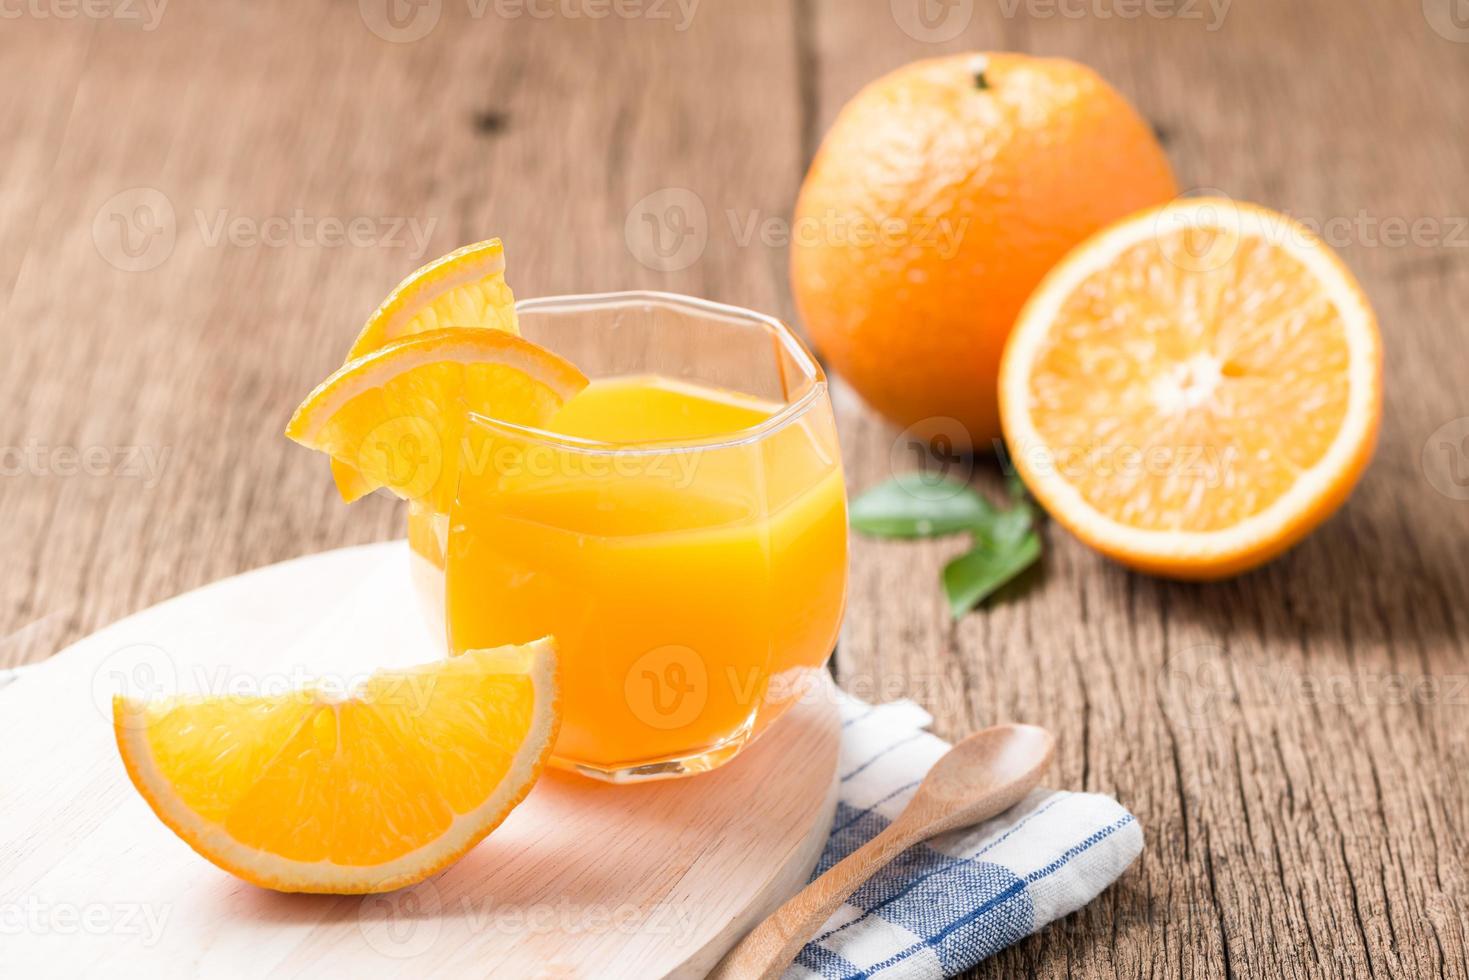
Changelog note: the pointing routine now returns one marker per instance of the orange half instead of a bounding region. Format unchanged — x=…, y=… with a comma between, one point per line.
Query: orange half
x=1194, y=389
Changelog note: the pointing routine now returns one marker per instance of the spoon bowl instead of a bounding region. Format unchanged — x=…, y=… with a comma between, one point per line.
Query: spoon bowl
x=984, y=774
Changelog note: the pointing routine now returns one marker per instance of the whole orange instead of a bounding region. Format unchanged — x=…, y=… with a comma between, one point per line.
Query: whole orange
x=941, y=196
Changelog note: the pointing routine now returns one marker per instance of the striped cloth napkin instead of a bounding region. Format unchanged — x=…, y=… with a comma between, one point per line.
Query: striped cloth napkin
x=945, y=905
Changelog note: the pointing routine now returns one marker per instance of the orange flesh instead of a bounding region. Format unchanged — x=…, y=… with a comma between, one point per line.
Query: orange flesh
x=356, y=782
x=396, y=416
x=1178, y=400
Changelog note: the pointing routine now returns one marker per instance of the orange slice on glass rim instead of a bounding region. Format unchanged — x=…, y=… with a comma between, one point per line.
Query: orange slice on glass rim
x=465, y=288
x=398, y=414
x=1195, y=388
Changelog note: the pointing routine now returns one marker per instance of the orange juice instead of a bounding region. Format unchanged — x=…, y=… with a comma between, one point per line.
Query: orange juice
x=687, y=547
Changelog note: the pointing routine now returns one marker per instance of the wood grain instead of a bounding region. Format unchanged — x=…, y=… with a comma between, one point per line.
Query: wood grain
x=1293, y=742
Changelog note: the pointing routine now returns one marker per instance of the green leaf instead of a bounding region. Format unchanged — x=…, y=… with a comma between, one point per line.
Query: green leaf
x=918, y=505
x=974, y=576
x=1016, y=486
x=1007, y=528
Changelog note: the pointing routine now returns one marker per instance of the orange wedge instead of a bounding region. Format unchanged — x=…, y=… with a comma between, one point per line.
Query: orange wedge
x=1194, y=389
x=397, y=415
x=363, y=792
x=465, y=288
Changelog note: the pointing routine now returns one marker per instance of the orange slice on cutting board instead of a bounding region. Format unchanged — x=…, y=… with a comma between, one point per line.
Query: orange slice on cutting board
x=1194, y=389
x=397, y=415
x=465, y=288
x=349, y=792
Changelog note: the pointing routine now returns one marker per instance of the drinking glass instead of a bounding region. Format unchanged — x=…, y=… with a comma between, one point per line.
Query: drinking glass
x=694, y=587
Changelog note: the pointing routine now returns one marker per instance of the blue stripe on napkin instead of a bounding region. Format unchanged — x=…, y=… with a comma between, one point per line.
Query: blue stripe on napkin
x=945, y=905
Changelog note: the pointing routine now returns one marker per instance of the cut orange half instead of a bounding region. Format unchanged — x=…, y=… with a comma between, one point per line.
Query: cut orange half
x=465, y=288
x=363, y=791
x=1194, y=389
x=398, y=415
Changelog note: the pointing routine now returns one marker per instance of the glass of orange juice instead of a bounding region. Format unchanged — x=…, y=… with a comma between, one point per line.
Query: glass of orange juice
x=680, y=528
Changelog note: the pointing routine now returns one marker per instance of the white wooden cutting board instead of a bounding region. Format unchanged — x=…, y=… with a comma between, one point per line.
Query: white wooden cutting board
x=583, y=880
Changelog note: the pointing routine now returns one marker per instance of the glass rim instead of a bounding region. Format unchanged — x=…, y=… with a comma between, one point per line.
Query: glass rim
x=790, y=412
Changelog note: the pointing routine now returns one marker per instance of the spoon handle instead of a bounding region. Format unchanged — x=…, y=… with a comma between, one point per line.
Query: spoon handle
x=983, y=775
x=773, y=944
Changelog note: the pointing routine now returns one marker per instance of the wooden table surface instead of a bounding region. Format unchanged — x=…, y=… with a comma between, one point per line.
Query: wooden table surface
x=202, y=201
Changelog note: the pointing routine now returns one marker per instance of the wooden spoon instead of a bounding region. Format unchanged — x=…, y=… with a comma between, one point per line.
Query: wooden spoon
x=984, y=775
